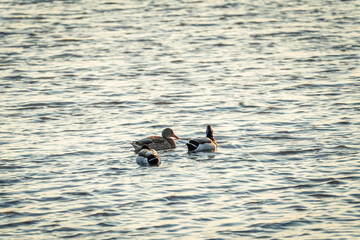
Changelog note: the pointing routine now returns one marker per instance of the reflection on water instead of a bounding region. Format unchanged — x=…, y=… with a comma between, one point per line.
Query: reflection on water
x=277, y=81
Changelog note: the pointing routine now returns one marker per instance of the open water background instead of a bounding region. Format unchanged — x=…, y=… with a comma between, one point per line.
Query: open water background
x=278, y=80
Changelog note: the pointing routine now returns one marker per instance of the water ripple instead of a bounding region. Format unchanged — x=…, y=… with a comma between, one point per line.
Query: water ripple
x=278, y=82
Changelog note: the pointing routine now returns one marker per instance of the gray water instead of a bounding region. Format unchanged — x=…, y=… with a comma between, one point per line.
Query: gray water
x=279, y=82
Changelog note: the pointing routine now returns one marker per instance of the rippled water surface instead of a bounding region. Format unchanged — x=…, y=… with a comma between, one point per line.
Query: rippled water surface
x=279, y=82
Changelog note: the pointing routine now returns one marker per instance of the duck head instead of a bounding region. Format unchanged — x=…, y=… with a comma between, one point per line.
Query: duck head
x=209, y=132
x=168, y=133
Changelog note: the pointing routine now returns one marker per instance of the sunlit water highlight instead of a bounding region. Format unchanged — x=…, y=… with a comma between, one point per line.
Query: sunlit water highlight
x=278, y=81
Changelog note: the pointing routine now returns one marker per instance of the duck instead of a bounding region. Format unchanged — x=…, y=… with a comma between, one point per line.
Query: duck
x=207, y=143
x=166, y=141
x=148, y=157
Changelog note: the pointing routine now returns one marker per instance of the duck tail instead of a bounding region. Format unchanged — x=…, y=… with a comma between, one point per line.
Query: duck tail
x=153, y=160
x=136, y=146
x=192, y=145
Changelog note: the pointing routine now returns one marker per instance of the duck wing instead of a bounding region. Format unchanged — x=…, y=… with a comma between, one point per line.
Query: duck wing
x=203, y=140
x=145, y=141
x=154, y=142
x=201, y=144
x=151, y=139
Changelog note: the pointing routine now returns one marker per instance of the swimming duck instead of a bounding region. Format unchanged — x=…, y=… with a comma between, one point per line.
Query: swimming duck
x=207, y=143
x=148, y=157
x=157, y=142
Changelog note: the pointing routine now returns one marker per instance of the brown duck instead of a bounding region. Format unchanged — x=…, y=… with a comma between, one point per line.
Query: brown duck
x=157, y=142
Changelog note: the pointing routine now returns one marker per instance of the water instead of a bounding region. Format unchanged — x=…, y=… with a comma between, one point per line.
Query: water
x=278, y=81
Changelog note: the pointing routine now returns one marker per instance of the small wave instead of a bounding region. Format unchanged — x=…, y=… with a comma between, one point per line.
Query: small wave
x=166, y=225
x=284, y=34
x=344, y=123
x=103, y=214
x=299, y=86
x=239, y=232
x=17, y=224
x=334, y=182
x=323, y=195
x=357, y=195
x=64, y=229
x=291, y=152
x=281, y=225
x=297, y=207
x=79, y=193
x=71, y=154
x=46, y=118
x=110, y=103
x=11, y=166
x=223, y=45
x=342, y=147
x=66, y=55
x=300, y=186
x=242, y=104
x=163, y=103
x=68, y=40
x=10, y=203
x=40, y=105
x=321, y=180
x=52, y=199
x=11, y=214
x=277, y=137
x=8, y=181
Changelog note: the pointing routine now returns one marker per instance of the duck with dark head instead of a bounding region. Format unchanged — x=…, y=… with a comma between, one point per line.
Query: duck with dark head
x=207, y=143
x=148, y=157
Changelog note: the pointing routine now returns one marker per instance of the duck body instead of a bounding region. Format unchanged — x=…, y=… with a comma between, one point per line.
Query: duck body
x=201, y=144
x=148, y=157
x=207, y=143
x=166, y=141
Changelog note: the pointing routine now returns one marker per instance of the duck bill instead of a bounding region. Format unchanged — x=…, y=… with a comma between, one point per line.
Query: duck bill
x=174, y=136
